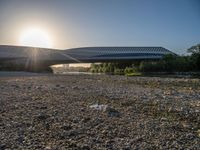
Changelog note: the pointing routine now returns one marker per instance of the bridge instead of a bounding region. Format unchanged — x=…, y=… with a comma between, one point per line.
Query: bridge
x=36, y=59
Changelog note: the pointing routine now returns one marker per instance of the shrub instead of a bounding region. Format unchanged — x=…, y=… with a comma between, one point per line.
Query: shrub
x=118, y=71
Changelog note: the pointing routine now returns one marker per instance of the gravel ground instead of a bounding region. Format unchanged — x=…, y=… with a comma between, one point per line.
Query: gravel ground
x=53, y=112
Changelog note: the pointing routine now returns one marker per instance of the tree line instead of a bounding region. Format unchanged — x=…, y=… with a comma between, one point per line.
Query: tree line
x=169, y=64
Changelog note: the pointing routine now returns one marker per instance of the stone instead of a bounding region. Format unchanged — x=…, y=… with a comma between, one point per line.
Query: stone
x=42, y=116
x=99, y=107
x=66, y=127
x=2, y=147
x=163, y=119
x=112, y=112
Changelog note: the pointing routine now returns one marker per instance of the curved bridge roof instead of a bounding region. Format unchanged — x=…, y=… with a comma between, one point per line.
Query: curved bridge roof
x=82, y=54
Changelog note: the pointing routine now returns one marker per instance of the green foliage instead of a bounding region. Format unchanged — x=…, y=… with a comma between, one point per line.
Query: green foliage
x=195, y=56
x=169, y=64
x=104, y=68
x=151, y=66
x=194, y=49
x=130, y=70
x=195, y=61
x=118, y=71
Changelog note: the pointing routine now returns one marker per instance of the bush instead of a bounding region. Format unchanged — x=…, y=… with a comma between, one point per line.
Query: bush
x=170, y=63
x=118, y=71
x=134, y=74
x=130, y=70
x=195, y=61
x=152, y=66
x=133, y=71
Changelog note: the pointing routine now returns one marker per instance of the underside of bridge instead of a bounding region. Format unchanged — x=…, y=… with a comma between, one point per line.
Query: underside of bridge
x=40, y=59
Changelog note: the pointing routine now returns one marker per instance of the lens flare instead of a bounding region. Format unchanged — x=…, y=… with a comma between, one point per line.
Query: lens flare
x=35, y=37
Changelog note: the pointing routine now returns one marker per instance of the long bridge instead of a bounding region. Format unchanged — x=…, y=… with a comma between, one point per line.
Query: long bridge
x=34, y=58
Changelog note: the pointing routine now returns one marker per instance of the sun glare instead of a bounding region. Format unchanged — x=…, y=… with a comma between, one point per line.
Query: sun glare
x=35, y=37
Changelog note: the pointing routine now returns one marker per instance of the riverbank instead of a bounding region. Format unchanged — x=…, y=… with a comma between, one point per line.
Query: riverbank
x=54, y=112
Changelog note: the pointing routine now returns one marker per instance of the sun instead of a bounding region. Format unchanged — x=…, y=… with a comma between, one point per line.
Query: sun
x=35, y=37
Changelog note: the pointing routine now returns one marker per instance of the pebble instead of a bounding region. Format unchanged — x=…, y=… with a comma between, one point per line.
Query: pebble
x=55, y=112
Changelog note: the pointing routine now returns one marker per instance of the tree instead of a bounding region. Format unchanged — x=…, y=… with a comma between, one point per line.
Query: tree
x=195, y=57
x=194, y=49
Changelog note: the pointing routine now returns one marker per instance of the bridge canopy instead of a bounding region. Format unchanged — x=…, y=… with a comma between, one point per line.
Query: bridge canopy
x=46, y=57
x=83, y=53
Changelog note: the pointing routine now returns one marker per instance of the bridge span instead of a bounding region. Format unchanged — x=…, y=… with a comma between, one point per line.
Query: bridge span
x=34, y=58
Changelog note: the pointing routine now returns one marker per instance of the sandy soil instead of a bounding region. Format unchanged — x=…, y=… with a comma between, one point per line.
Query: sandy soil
x=53, y=112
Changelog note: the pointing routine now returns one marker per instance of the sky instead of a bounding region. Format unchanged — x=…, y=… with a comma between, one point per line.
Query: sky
x=173, y=24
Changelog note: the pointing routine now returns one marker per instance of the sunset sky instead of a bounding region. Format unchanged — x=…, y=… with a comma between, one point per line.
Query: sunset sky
x=173, y=24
